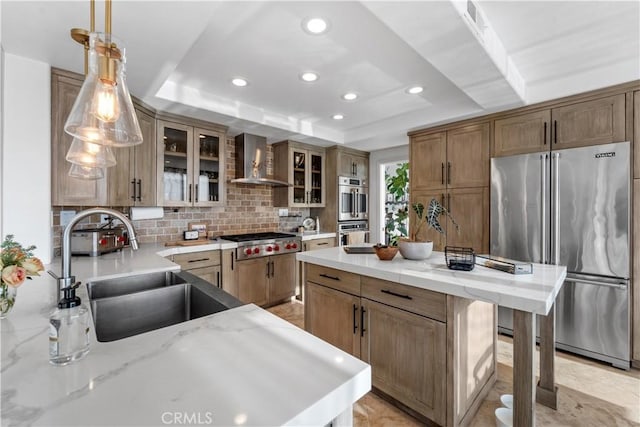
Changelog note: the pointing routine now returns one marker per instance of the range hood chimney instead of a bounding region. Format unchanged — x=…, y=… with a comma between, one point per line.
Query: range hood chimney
x=251, y=161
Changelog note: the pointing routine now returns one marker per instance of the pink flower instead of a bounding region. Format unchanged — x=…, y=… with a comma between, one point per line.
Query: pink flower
x=33, y=266
x=13, y=275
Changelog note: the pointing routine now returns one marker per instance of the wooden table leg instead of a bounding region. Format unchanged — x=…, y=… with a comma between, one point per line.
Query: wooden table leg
x=524, y=336
x=547, y=392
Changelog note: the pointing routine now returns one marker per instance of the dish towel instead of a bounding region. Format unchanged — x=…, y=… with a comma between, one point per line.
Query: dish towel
x=356, y=237
x=203, y=188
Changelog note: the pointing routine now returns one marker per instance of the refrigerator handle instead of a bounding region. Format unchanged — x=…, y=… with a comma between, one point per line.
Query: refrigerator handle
x=555, y=159
x=544, y=258
x=621, y=285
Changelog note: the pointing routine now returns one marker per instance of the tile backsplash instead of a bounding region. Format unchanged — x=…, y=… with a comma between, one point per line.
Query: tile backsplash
x=248, y=208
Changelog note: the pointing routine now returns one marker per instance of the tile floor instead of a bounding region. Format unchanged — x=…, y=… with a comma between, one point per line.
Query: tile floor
x=589, y=393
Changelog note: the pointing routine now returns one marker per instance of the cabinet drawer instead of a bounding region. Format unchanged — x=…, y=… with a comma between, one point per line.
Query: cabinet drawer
x=197, y=259
x=328, y=242
x=420, y=301
x=332, y=278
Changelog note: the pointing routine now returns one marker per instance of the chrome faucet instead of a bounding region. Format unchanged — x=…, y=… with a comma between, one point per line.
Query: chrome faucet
x=67, y=279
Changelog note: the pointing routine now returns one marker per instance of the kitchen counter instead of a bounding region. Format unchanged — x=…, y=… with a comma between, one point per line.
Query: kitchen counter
x=243, y=366
x=527, y=295
x=312, y=235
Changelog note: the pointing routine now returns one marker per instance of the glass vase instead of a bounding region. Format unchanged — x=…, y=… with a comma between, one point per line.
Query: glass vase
x=7, y=299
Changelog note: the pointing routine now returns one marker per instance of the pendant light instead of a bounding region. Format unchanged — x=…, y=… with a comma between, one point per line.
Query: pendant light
x=84, y=172
x=90, y=155
x=103, y=112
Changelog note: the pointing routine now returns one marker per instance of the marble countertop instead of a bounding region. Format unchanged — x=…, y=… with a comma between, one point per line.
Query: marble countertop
x=534, y=293
x=243, y=366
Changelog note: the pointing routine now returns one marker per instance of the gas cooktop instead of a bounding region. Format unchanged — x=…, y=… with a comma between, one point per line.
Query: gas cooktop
x=249, y=237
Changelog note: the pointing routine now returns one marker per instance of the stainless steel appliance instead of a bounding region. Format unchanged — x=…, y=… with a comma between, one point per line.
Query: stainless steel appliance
x=97, y=241
x=251, y=161
x=571, y=207
x=353, y=198
x=255, y=245
x=346, y=230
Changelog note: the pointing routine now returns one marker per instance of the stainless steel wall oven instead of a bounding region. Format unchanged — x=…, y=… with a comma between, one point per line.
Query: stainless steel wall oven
x=353, y=199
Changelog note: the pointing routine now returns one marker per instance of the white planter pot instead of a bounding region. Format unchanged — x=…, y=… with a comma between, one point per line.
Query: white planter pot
x=415, y=250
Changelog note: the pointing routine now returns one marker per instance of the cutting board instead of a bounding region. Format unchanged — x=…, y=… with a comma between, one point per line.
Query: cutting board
x=189, y=242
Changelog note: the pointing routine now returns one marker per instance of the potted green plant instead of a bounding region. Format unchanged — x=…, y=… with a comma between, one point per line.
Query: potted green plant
x=412, y=248
x=397, y=214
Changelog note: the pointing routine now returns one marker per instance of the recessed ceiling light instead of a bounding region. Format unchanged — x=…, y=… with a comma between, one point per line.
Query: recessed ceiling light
x=239, y=81
x=349, y=96
x=315, y=25
x=337, y=117
x=309, y=76
x=415, y=90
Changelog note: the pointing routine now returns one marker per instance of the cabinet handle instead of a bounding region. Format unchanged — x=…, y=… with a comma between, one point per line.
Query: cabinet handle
x=386, y=291
x=355, y=325
x=133, y=183
x=322, y=244
x=218, y=279
x=190, y=188
x=231, y=253
x=442, y=173
x=449, y=202
x=545, y=134
x=273, y=269
x=198, y=260
x=330, y=277
x=442, y=199
x=555, y=132
x=362, y=328
x=140, y=190
x=196, y=194
x=448, y=172
x=268, y=269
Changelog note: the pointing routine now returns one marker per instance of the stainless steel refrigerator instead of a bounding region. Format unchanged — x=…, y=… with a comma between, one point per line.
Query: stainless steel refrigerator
x=572, y=207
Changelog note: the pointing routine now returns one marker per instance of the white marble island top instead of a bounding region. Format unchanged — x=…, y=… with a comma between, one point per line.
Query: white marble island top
x=533, y=293
x=243, y=366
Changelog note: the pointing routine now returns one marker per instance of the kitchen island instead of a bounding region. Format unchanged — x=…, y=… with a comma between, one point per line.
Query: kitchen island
x=243, y=366
x=403, y=284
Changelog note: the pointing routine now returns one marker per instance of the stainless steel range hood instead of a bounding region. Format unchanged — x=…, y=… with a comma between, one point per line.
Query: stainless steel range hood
x=251, y=161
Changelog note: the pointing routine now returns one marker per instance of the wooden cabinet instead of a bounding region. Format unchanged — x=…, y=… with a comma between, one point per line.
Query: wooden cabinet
x=190, y=164
x=204, y=264
x=431, y=352
x=598, y=121
x=303, y=167
x=352, y=163
x=636, y=273
x=415, y=371
x=229, y=272
x=66, y=190
x=311, y=245
x=132, y=182
x=453, y=167
x=267, y=280
x=636, y=134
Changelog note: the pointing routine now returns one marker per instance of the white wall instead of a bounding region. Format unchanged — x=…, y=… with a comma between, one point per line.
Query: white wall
x=377, y=189
x=26, y=153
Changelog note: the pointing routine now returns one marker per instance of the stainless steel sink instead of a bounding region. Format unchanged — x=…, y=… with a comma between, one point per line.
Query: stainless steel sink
x=152, y=302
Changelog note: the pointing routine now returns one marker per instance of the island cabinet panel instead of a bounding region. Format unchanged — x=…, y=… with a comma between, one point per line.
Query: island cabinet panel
x=333, y=316
x=407, y=354
x=333, y=278
x=524, y=133
x=229, y=272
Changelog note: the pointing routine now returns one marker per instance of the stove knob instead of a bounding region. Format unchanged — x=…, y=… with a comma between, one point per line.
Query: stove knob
x=103, y=242
x=256, y=250
x=294, y=245
x=248, y=251
x=276, y=248
x=269, y=248
x=121, y=239
x=287, y=246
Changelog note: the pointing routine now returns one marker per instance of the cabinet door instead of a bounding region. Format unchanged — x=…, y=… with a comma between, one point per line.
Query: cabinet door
x=316, y=179
x=361, y=166
x=600, y=121
x=175, y=163
x=427, y=161
x=636, y=135
x=333, y=316
x=210, y=274
x=144, y=167
x=122, y=184
x=208, y=174
x=468, y=161
x=470, y=208
x=346, y=164
x=426, y=233
x=252, y=280
x=229, y=272
x=526, y=133
x=282, y=283
x=66, y=190
x=299, y=193
x=407, y=354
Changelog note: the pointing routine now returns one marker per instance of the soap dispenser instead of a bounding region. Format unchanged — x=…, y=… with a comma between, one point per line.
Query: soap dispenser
x=68, y=329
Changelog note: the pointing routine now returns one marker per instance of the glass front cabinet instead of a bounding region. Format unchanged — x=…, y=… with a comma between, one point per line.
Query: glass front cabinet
x=304, y=169
x=190, y=165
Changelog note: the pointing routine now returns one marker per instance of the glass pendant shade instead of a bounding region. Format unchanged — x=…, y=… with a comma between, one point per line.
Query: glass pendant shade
x=84, y=172
x=90, y=155
x=103, y=112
